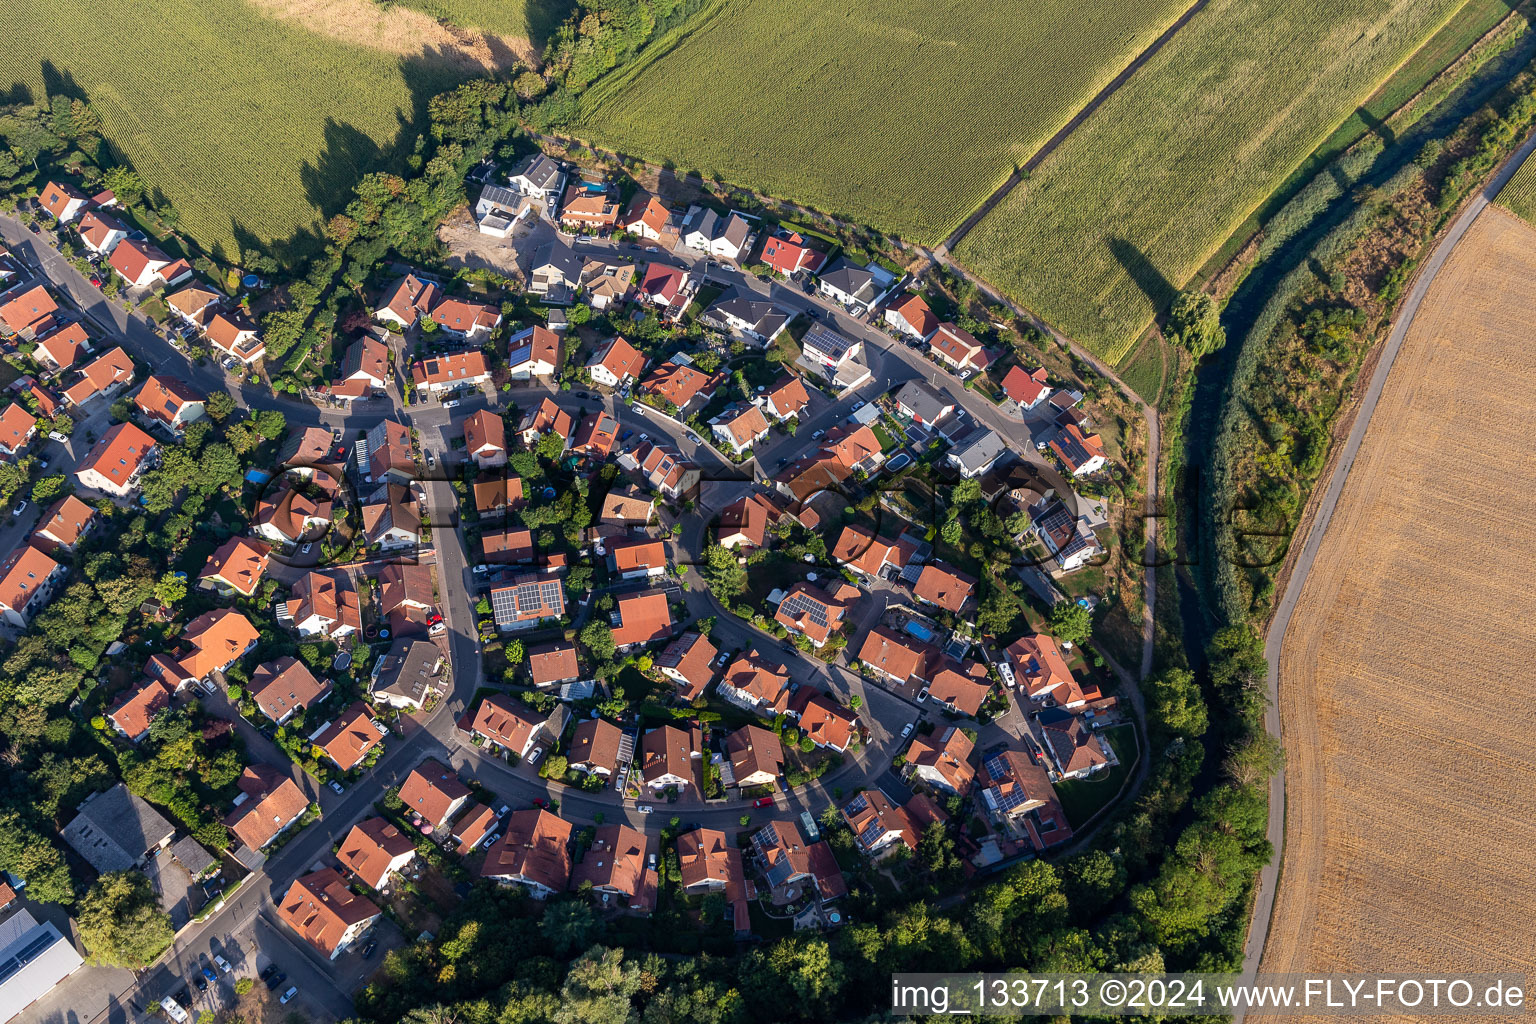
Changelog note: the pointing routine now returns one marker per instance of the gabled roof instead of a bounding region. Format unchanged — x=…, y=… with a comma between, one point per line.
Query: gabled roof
x=217, y=638
x=233, y=332
x=668, y=750
x=132, y=258
x=397, y=511
x=66, y=520
x=545, y=418
x=56, y=197
x=916, y=313
x=851, y=280
x=923, y=401
x=370, y=847
x=615, y=861
x=96, y=227
x=473, y=825
x=851, y=445
x=1026, y=387
x=285, y=685
x=500, y=719
x=409, y=297
x=662, y=282
x=627, y=505
x=163, y=398
x=962, y=685
x=1039, y=668
x=859, y=547
x=648, y=210
x=692, y=657
x=115, y=828
x=485, y=431
x=137, y=707
x=350, y=736
x=535, y=848
x=639, y=553
x=643, y=617
x=26, y=305
x=464, y=316
x=748, y=516
x=743, y=423
x=813, y=611
x=873, y=819
x=885, y=649
x=679, y=384
x=118, y=454
x=752, y=750
x=239, y=562
x=553, y=663
x=787, y=252
x=449, y=368
x=22, y=574
x=109, y=368
x=595, y=742
x=596, y=435
x=272, y=801
x=540, y=170
x=958, y=344
x=1074, y=746
x=829, y=724
x=534, y=345
x=290, y=512
x=431, y=790
x=320, y=907
x=942, y=584
x=506, y=546
x=193, y=301
x=620, y=358
x=498, y=493
x=16, y=426
x=757, y=677
x=329, y=595
x=788, y=395
x=1075, y=448
x=948, y=754
x=65, y=344
x=389, y=449
x=367, y=358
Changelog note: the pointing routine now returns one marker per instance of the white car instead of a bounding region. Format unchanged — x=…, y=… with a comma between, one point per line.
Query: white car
x=908, y=730
x=173, y=1010
x=452, y=403
x=922, y=695
x=55, y=435
x=644, y=808
x=1006, y=671
x=645, y=437
x=337, y=787
x=293, y=990
x=538, y=752
x=21, y=506
x=818, y=435
x=223, y=964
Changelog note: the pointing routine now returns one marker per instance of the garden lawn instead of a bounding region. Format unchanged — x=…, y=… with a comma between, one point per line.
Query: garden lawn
x=1082, y=798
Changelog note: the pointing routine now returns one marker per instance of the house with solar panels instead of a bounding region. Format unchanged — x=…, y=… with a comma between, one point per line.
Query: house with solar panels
x=524, y=600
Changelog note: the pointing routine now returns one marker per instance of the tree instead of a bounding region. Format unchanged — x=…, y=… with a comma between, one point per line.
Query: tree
x=951, y=530
x=597, y=637
x=1194, y=321
x=219, y=405
x=170, y=589
x=1071, y=623
x=725, y=576
x=1174, y=700
x=598, y=989
x=270, y=423
x=569, y=926
x=48, y=488
x=121, y=923
x=124, y=182
x=529, y=85
x=550, y=445
x=515, y=653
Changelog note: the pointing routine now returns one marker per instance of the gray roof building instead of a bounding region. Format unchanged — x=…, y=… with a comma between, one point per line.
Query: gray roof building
x=923, y=403
x=190, y=855
x=404, y=672
x=33, y=959
x=115, y=830
x=540, y=171
x=977, y=453
x=851, y=283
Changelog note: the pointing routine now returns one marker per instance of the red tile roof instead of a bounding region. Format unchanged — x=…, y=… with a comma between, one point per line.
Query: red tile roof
x=942, y=584
x=117, y=455
x=272, y=801
x=139, y=706
x=431, y=790
x=535, y=848
x=680, y=384
x=284, y=686
x=320, y=907
x=553, y=663
x=370, y=848
x=25, y=306
x=1023, y=387
x=916, y=313
x=449, y=368
x=349, y=738
x=643, y=617
x=66, y=521
x=239, y=562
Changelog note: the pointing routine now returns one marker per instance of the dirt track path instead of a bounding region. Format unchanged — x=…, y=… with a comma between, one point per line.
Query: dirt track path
x=1327, y=660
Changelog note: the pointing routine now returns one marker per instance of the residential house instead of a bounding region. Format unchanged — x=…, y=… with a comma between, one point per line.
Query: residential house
x=595, y=747
x=169, y=400
x=101, y=377
x=27, y=581
x=115, y=830
x=646, y=217
x=666, y=287
x=753, y=682
x=348, y=739
x=860, y=549
x=977, y=454
x=538, y=176
x=1040, y=670
x=194, y=305
x=283, y=688
x=115, y=462
x=641, y=618
x=236, y=566
x=17, y=428
x=958, y=349
x=506, y=726
x=725, y=236
x=288, y=516
x=589, y=206
x=364, y=371
x=740, y=426
x=268, y=805
x=217, y=640
x=1080, y=453
x=534, y=852
x=498, y=209
x=433, y=793
x=475, y=826
x=616, y=364
x=756, y=756
x=922, y=404
x=911, y=316
x=63, y=525
x=407, y=300
x=507, y=547
x=392, y=518
x=786, y=859
x=313, y=453
x=744, y=522
x=690, y=662
x=741, y=316
x=407, y=599
x=553, y=663
x=596, y=435
x=637, y=559
x=878, y=825
x=852, y=286
x=235, y=335
x=828, y=349
x=959, y=686
x=605, y=285
x=324, y=605
x=329, y=916
x=63, y=200
x=555, y=273
x=664, y=469
x=813, y=612
x=827, y=724
x=667, y=755
x=546, y=417
x=1066, y=535
x=403, y=676
x=894, y=658
x=498, y=495
x=786, y=397
x=133, y=713
x=788, y=252
x=1027, y=387
x=1016, y=794
x=26, y=308
x=1075, y=750
x=464, y=319
x=709, y=863
x=62, y=346
x=943, y=585
x=142, y=265
x=374, y=851
x=450, y=371
x=101, y=231
x=533, y=352
x=390, y=454
x=679, y=385
x=485, y=439
x=627, y=506
x=614, y=865
x=943, y=760
x=527, y=600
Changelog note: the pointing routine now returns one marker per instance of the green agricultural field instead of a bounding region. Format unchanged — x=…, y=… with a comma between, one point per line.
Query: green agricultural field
x=1128, y=208
x=250, y=126
x=900, y=115
x=1519, y=194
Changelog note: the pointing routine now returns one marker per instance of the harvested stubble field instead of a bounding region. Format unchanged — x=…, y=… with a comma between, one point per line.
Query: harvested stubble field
x=1407, y=704
x=250, y=117
x=1135, y=200
x=896, y=114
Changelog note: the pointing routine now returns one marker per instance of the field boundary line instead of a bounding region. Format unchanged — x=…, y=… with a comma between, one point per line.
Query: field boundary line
x=1259, y=924
x=1067, y=129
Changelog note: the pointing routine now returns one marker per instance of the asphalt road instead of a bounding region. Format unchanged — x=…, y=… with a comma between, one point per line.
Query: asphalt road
x=1269, y=878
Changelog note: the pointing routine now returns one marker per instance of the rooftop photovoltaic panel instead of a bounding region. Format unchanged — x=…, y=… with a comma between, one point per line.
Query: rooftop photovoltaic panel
x=798, y=606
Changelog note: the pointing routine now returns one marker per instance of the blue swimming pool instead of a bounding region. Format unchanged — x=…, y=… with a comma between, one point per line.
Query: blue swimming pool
x=920, y=631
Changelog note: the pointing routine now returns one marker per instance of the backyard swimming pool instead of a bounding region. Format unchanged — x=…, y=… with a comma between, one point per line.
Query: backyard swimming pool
x=920, y=631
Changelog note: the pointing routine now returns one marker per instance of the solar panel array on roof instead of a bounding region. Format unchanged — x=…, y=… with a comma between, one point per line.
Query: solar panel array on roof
x=798, y=606
x=26, y=954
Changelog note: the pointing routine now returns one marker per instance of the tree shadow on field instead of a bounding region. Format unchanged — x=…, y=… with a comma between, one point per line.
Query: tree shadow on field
x=18, y=95
x=1157, y=288
x=543, y=17
x=61, y=83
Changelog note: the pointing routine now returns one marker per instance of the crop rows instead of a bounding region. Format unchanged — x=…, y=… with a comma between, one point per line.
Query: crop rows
x=904, y=116
x=1519, y=193
x=1131, y=204
x=244, y=123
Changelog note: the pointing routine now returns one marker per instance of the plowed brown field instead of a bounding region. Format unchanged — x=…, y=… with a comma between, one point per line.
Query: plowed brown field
x=1408, y=674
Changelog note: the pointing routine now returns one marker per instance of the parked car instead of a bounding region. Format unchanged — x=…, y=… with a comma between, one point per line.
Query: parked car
x=818, y=435
x=907, y=731
x=209, y=973
x=922, y=695
x=539, y=801
x=56, y=436
x=644, y=808
x=273, y=977
x=95, y=281
x=173, y=1011
x=21, y=506
x=858, y=405
x=292, y=991
x=763, y=801
x=538, y=752
x=337, y=787
x=307, y=548
x=627, y=435
x=223, y=964
x=452, y=403
x=200, y=982
x=652, y=248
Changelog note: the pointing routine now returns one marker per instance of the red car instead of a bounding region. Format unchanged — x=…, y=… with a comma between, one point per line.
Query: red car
x=763, y=801
x=95, y=282
x=538, y=802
